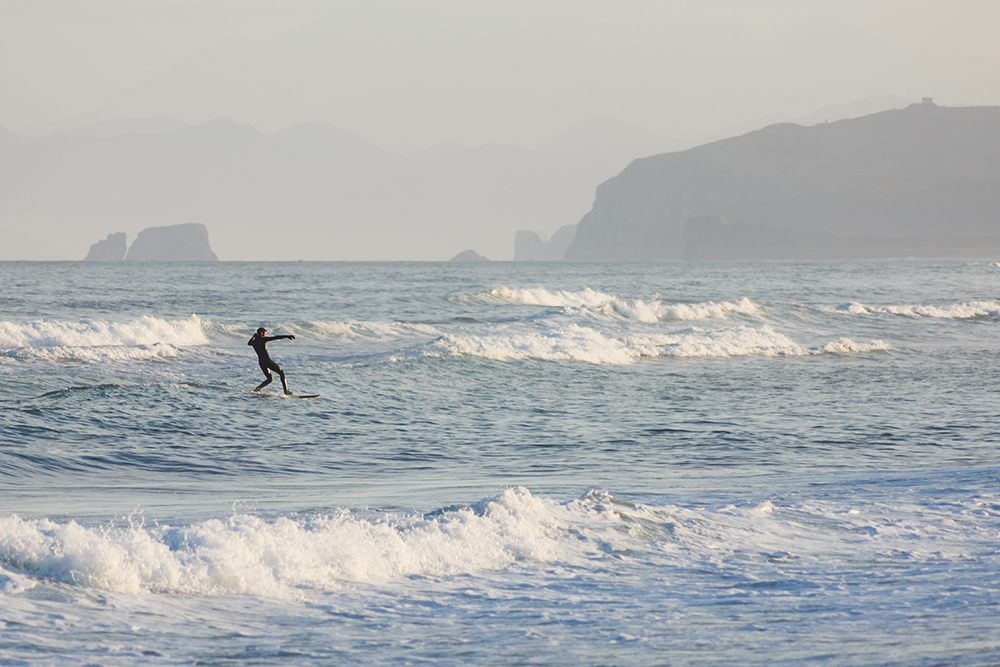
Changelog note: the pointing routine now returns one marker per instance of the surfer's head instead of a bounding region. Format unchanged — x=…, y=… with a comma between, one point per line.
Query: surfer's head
x=261, y=331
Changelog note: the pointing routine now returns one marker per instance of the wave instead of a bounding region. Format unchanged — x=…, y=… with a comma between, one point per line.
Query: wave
x=765, y=342
x=955, y=311
x=296, y=557
x=96, y=353
x=145, y=330
x=601, y=304
x=335, y=330
x=247, y=555
x=571, y=343
x=356, y=329
x=578, y=343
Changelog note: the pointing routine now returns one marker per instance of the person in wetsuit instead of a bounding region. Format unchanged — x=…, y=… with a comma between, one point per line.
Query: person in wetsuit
x=259, y=343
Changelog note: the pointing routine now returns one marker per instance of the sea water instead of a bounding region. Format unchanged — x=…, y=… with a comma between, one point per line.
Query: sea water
x=508, y=463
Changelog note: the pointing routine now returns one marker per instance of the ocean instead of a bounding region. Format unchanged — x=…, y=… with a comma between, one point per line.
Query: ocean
x=508, y=463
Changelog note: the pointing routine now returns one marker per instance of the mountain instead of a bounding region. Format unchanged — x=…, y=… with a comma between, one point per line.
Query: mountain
x=920, y=171
x=311, y=191
x=828, y=114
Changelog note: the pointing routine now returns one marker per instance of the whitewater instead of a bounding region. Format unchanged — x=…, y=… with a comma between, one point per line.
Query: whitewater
x=508, y=463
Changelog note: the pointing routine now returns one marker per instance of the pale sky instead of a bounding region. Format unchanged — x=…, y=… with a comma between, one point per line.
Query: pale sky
x=409, y=73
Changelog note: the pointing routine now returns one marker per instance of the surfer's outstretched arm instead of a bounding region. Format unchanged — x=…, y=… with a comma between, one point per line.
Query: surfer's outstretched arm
x=268, y=339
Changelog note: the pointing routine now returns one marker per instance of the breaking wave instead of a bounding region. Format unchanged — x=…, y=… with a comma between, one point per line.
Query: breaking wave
x=296, y=557
x=95, y=353
x=143, y=330
x=578, y=343
x=247, y=555
x=606, y=305
x=354, y=329
x=101, y=340
x=955, y=311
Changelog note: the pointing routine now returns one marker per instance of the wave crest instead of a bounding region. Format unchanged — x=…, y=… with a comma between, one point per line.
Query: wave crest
x=579, y=343
x=145, y=330
x=608, y=305
x=246, y=555
x=356, y=329
x=955, y=311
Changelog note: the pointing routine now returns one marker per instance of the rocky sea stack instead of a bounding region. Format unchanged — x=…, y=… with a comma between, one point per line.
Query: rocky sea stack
x=176, y=243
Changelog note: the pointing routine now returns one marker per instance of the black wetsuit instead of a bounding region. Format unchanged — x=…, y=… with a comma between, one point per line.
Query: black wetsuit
x=259, y=344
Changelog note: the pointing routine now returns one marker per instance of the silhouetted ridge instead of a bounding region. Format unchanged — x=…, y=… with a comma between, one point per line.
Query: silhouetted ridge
x=922, y=171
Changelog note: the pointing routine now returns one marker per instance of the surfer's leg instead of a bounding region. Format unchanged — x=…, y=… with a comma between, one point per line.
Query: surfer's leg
x=266, y=382
x=281, y=374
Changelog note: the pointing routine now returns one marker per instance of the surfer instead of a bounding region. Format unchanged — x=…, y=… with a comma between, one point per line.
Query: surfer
x=259, y=342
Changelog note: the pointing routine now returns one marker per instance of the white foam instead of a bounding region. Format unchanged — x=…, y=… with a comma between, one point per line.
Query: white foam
x=96, y=353
x=764, y=342
x=577, y=343
x=246, y=555
x=293, y=557
x=100, y=340
x=356, y=329
x=572, y=343
x=954, y=311
x=848, y=346
x=599, y=303
x=144, y=330
x=732, y=342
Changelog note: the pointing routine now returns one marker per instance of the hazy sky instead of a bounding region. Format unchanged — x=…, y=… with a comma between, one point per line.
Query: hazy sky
x=410, y=73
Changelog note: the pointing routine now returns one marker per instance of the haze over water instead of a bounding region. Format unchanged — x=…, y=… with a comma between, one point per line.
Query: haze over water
x=679, y=463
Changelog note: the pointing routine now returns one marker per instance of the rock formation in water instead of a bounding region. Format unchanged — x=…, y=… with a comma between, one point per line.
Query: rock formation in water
x=926, y=175
x=111, y=249
x=175, y=243
x=529, y=246
x=469, y=256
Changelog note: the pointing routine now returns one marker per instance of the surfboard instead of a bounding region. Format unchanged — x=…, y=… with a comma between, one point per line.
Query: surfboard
x=273, y=394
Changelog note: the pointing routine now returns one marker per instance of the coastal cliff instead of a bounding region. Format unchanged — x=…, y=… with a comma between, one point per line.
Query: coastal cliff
x=923, y=172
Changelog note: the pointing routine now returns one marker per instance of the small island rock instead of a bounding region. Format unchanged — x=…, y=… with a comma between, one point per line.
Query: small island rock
x=111, y=249
x=469, y=256
x=175, y=243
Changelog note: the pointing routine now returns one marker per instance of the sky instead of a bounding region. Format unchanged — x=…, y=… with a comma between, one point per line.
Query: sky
x=407, y=74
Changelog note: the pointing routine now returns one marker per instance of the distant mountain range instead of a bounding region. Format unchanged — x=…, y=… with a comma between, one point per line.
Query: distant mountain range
x=920, y=181
x=312, y=191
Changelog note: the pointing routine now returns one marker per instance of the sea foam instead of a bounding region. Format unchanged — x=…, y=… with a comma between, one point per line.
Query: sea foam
x=954, y=311
x=143, y=330
x=101, y=340
x=570, y=343
x=355, y=329
x=606, y=305
x=296, y=558
x=246, y=555
x=579, y=343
